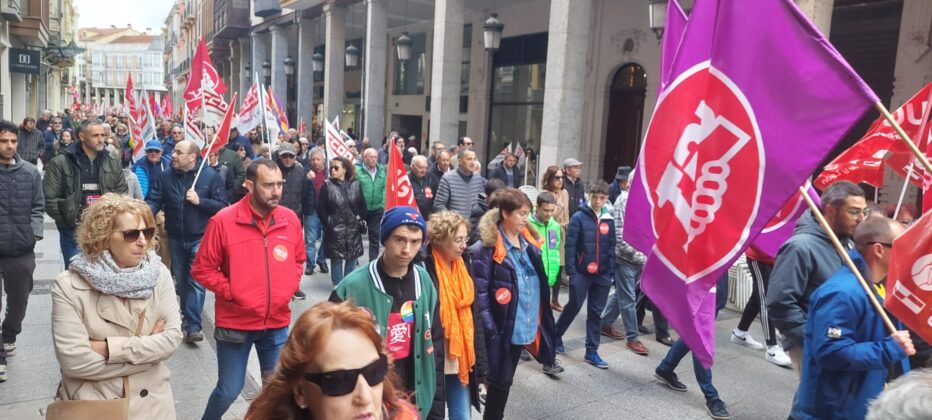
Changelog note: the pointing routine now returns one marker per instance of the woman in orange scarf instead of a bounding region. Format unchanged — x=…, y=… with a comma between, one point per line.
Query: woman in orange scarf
x=462, y=357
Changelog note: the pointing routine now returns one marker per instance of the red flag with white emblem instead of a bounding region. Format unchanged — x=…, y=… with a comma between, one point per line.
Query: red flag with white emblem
x=909, y=282
x=398, y=191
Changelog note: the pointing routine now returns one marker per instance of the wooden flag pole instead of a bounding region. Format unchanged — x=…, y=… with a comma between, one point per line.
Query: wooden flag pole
x=844, y=255
x=909, y=143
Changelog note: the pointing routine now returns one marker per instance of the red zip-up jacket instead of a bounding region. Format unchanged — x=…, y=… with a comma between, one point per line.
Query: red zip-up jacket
x=254, y=275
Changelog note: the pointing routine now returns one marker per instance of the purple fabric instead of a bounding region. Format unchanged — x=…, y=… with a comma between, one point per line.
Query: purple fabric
x=796, y=98
x=780, y=228
x=673, y=30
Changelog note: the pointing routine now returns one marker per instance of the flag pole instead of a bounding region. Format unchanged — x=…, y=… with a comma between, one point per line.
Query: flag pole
x=847, y=259
x=203, y=160
x=909, y=143
x=899, y=203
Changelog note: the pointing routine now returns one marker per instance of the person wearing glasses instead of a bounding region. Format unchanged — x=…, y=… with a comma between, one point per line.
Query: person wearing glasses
x=341, y=207
x=552, y=182
x=187, y=208
x=149, y=168
x=115, y=287
x=252, y=258
x=176, y=136
x=333, y=366
x=296, y=189
x=808, y=259
x=848, y=351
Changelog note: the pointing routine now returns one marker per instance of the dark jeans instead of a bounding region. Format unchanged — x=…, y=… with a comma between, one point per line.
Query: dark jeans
x=69, y=246
x=760, y=273
x=661, y=326
x=313, y=230
x=191, y=292
x=497, y=396
x=581, y=286
x=16, y=275
x=373, y=225
x=231, y=366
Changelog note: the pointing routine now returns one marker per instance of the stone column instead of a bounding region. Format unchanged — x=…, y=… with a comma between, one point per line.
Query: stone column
x=234, y=71
x=88, y=95
x=373, y=125
x=279, y=52
x=564, y=95
x=819, y=11
x=305, y=72
x=334, y=64
x=260, y=53
x=446, y=66
x=96, y=96
x=245, y=76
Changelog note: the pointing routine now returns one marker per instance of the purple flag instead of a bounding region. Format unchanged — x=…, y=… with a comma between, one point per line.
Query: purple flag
x=757, y=98
x=781, y=226
x=673, y=30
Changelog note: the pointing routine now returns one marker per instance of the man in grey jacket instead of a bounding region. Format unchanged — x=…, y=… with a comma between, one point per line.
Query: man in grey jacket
x=459, y=190
x=21, y=213
x=808, y=258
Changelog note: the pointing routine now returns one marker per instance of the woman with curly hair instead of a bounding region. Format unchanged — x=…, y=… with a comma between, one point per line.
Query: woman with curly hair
x=552, y=182
x=333, y=366
x=115, y=318
x=462, y=357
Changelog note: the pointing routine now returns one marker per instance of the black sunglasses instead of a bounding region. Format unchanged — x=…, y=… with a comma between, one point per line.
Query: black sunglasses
x=132, y=235
x=342, y=382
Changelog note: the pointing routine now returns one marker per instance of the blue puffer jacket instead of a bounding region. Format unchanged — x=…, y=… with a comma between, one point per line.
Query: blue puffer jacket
x=590, y=241
x=149, y=173
x=184, y=220
x=847, y=350
x=491, y=274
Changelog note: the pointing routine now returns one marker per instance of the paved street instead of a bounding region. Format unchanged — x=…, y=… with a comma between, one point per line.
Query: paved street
x=752, y=388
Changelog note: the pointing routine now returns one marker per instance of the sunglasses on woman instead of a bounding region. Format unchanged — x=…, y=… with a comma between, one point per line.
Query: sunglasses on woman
x=342, y=382
x=132, y=235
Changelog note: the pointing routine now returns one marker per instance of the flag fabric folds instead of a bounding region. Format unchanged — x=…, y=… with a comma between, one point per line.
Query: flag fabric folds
x=398, y=190
x=781, y=226
x=335, y=144
x=673, y=30
x=750, y=110
x=250, y=115
x=909, y=282
x=222, y=135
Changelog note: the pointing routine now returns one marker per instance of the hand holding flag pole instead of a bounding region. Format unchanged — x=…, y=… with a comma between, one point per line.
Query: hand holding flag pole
x=844, y=256
x=224, y=131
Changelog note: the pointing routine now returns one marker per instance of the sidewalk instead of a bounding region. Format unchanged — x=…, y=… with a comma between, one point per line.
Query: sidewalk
x=752, y=388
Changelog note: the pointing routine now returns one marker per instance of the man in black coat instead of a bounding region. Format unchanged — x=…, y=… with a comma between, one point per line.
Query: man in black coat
x=574, y=186
x=421, y=183
x=508, y=172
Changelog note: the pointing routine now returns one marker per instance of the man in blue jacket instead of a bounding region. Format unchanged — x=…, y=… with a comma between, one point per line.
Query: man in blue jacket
x=187, y=208
x=149, y=168
x=847, y=350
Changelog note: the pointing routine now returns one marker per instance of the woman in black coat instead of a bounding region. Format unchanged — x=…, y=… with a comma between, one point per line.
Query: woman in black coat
x=340, y=206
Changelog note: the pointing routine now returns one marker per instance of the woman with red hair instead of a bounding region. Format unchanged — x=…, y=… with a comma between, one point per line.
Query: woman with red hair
x=333, y=366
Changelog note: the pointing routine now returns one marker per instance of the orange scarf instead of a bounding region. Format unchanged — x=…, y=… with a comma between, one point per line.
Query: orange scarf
x=456, y=297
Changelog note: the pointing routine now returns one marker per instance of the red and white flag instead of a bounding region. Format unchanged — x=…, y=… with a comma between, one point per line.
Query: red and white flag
x=135, y=130
x=205, y=88
x=223, y=133
x=335, y=144
x=909, y=282
x=398, y=190
x=250, y=114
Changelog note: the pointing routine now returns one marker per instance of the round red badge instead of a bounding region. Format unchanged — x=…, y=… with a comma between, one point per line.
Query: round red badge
x=428, y=193
x=592, y=268
x=280, y=253
x=603, y=228
x=503, y=296
x=705, y=172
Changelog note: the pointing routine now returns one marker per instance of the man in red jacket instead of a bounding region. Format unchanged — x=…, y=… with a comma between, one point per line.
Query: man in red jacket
x=252, y=257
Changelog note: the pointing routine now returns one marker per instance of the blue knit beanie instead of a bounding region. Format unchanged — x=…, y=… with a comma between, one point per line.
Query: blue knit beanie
x=401, y=215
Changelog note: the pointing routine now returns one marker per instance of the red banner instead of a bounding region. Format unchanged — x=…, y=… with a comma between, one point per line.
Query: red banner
x=398, y=191
x=909, y=282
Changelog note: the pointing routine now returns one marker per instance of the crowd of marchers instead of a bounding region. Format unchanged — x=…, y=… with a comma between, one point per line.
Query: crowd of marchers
x=459, y=287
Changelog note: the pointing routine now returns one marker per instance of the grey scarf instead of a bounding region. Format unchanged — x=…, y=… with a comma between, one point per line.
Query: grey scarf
x=104, y=275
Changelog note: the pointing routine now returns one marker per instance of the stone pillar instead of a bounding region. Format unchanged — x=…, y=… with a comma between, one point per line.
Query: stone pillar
x=235, y=70
x=245, y=76
x=305, y=72
x=260, y=53
x=279, y=52
x=334, y=64
x=88, y=95
x=446, y=66
x=373, y=125
x=96, y=96
x=564, y=95
x=820, y=12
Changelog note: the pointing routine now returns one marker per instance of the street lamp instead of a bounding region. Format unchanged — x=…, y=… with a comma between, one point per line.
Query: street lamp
x=352, y=56
x=317, y=62
x=492, y=32
x=289, y=66
x=267, y=71
x=403, y=44
x=657, y=12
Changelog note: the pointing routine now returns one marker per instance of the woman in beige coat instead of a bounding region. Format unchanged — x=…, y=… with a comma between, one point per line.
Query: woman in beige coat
x=96, y=306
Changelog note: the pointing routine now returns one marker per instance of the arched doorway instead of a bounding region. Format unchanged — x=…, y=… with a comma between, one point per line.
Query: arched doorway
x=625, y=118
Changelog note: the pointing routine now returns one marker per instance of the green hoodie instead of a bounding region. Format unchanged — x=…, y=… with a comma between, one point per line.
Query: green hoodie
x=364, y=287
x=550, y=245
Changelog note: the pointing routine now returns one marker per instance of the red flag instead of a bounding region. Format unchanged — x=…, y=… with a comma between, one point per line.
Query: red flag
x=910, y=297
x=205, y=86
x=398, y=191
x=223, y=133
x=302, y=129
x=167, y=110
